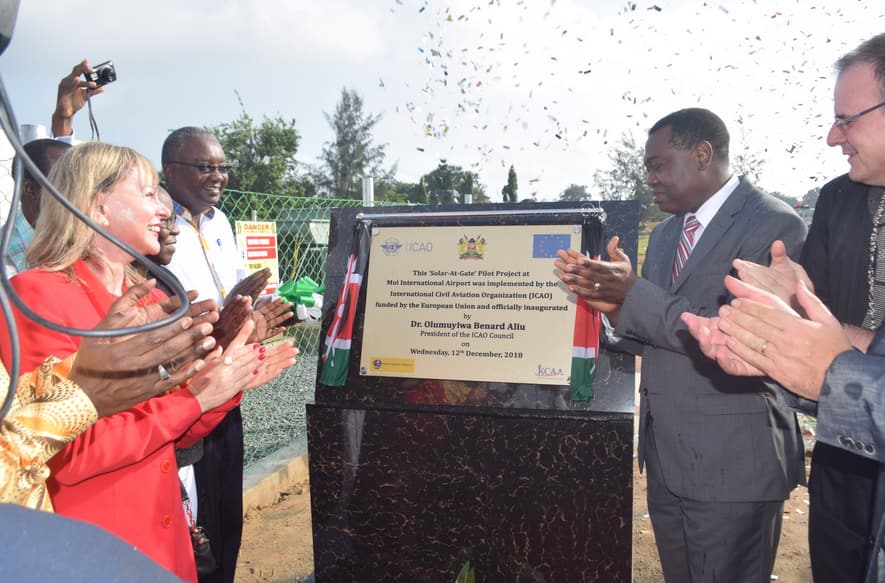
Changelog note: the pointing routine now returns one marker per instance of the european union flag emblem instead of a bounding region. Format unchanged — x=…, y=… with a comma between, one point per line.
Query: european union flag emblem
x=546, y=246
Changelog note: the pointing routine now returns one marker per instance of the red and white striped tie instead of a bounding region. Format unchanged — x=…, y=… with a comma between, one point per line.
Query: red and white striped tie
x=686, y=242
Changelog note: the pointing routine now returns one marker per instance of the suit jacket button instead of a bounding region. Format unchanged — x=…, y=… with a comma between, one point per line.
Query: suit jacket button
x=869, y=449
x=166, y=521
x=165, y=466
x=846, y=441
x=858, y=445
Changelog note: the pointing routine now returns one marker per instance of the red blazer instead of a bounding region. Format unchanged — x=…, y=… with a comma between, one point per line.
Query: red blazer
x=121, y=473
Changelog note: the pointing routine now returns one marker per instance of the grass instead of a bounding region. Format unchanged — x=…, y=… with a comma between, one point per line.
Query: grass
x=643, y=245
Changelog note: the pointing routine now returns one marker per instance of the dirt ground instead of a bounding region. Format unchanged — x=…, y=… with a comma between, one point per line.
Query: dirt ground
x=277, y=544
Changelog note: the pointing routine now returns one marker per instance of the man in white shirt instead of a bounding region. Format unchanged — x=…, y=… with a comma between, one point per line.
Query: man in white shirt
x=207, y=260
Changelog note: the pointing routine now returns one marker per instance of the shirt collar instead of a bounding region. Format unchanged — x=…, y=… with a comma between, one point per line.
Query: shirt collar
x=186, y=214
x=711, y=206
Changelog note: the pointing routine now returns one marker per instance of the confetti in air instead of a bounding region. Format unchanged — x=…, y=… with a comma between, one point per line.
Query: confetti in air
x=550, y=87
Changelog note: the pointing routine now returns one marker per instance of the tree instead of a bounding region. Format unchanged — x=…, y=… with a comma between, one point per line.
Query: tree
x=263, y=160
x=508, y=193
x=449, y=184
x=575, y=193
x=263, y=155
x=400, y=192
x=352, y=155
x=810, y=198
x=626, y=179
x=748, y=164
x=793, y=202
x=418, y=194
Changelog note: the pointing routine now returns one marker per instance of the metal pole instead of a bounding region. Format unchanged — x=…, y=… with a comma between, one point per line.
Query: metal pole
x=584, y=211
x=368, y=191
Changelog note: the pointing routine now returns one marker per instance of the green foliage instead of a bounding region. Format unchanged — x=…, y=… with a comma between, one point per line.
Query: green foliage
x=747, y=163
x=394, y=192
x=448, y=184
x=418, y=194
x=626, y=178
x=810, y=198
x=263, y=160
x=787, y=199
x=467, y=574
x=508, y=193
x=351, y=155
x=262, y=154
x=574, y=193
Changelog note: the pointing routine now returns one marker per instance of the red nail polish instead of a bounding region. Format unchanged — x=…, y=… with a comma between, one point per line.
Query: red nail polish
x=256, y=346
x=262, y=356
x=255, y=372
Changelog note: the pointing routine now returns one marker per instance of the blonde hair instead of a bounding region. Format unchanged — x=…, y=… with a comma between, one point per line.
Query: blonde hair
x=84, y=171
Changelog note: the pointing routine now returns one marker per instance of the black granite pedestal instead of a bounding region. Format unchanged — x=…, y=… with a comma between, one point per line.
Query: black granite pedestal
x=411, y=496
x=412, y=478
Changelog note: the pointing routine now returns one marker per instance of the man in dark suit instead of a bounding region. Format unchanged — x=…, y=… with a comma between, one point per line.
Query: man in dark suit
x=845, y=261
x=842, y=484
x=721, y=456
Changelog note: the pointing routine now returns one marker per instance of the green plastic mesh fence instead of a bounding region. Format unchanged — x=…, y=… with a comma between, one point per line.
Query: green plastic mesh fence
x=273, y=415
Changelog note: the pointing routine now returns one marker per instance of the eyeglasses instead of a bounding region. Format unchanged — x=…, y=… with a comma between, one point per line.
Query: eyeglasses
x=168, y=222
x=844, y=122
x=205, y=168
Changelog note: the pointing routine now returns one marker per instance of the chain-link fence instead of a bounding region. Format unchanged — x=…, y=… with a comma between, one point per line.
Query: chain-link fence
x=273, y=415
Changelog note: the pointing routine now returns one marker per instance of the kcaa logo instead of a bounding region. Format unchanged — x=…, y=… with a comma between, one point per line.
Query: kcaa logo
x=546, y=372
x=391, y=246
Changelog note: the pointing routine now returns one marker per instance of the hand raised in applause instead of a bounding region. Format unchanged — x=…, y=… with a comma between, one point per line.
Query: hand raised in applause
x=602, y=284
x=237, y=309
x=766, y=333
x=712, y=342
x=778, y=278
x=241, y=366
x=251, y=286
x=269, y=316
x=119, y=372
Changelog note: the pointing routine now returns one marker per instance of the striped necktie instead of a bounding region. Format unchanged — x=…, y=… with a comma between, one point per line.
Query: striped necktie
x=686, y=242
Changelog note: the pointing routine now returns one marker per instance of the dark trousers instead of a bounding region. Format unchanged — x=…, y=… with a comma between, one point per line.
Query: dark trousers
x=219, y=476
x=707, y=542
x=841, y=490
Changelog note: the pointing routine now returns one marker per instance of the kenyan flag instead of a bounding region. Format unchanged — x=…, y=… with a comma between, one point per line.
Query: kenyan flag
x=336, y=358
x=584, y=351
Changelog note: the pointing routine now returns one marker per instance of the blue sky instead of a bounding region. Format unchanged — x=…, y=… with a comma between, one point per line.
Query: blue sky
x=544, y=85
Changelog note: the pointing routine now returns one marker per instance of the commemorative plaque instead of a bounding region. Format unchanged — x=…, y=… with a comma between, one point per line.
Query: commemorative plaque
x=469, y=304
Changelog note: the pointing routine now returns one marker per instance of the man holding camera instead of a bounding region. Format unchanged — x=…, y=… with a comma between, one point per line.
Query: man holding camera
x=73, y=93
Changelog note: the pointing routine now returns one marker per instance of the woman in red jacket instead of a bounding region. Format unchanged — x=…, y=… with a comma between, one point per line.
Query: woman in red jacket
x=121, y=473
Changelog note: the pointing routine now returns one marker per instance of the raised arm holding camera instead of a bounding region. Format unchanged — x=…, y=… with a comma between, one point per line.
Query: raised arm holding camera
x=73, y=93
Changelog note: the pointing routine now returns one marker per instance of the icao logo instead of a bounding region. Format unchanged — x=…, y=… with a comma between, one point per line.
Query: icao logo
x=391, y=246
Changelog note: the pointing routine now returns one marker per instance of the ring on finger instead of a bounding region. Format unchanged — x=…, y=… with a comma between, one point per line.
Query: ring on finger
x=764, y=346
x=596, y=286
x=164, y=374
x=228, y=360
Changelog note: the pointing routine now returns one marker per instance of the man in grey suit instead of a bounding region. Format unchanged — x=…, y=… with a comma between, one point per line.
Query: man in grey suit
x=721, y=456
